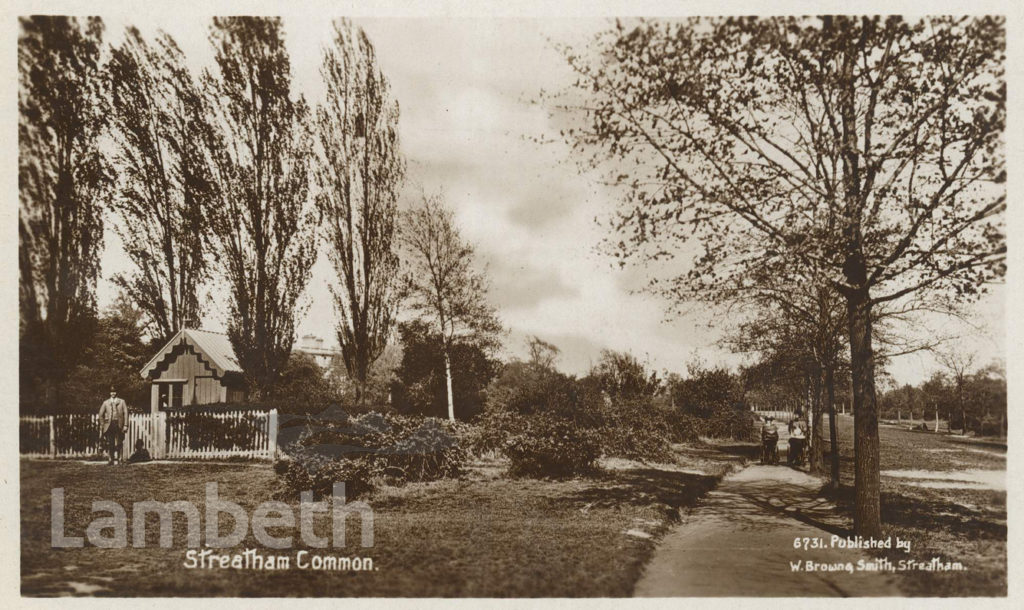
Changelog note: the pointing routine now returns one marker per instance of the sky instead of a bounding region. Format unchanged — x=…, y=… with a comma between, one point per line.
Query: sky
x=470, y=128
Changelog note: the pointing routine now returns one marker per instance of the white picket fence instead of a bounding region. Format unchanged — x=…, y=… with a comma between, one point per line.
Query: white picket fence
x=175, y=435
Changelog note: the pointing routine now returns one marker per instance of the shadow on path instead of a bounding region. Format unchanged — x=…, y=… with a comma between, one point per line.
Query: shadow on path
x=739, y=541
x=645, y=486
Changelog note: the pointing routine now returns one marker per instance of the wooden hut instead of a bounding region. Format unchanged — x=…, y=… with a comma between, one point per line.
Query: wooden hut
x=196, y=367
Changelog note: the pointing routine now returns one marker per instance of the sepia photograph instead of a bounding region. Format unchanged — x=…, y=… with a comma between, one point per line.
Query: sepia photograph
x=327, y=303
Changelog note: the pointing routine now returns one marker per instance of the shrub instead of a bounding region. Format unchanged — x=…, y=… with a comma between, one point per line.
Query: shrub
x=370, y=449
x=551, y=447
x=485, y=437
x=313, y=471
x=630, y=427
x=705, y=390
x=686, y=428
x=635, y=428
x=727, y=422
x=525, y=388
x=207, y=430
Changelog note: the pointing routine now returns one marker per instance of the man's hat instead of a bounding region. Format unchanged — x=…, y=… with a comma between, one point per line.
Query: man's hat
x=113, y=389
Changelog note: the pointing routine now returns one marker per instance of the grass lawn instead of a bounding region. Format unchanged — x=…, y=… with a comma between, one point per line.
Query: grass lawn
x=482, y=535
x=942, y=518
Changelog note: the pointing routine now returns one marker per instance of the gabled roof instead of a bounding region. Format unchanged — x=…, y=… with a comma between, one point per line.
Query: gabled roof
x=213, y=347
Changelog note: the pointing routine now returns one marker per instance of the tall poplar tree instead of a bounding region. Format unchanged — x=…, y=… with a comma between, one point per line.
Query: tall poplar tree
x=164, y=182
x=359, y=173
x=262, y=220
x=63, y=177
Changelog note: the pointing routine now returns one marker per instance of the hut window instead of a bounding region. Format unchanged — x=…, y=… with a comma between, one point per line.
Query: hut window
x=171, y=394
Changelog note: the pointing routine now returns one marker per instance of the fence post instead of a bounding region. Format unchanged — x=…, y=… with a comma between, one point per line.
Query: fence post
x=272, y=434
x=160, y=425
x=53, y=440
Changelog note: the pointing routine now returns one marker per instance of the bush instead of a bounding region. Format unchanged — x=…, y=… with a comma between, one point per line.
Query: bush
x=487, y=435
x=525, y=392
x=207, y=431
x=551, y=447
x=525, y=388
x=687, y=428
x=636, y=429
x=368, y=450
x=730, y=423
x=317, y=472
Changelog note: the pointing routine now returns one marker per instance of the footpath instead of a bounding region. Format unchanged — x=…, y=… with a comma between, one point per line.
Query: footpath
x=739, y=541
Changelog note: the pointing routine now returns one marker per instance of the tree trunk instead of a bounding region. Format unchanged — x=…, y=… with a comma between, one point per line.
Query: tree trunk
x=867, y=511
x=448, y=381
x=817, y=455
x=833, y=432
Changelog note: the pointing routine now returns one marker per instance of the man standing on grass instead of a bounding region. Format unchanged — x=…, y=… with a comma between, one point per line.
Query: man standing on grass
x=113, y=425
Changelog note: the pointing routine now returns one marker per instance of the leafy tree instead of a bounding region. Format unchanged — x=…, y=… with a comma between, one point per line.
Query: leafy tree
x=443, y=287
x=534, y=390
x=935, y=393
x=264, y=232
x=376, y=392
x=868, y=148
x=987, y=389
x=958, y=363
x=359, y=171
x=164, y=183
x=706, y=389
x=798, y=321
x=424, y=385
x=622, y=376
x=304, y=384
x=63, y=176
x=118, y=350
x=542, y=353
x=773, y=383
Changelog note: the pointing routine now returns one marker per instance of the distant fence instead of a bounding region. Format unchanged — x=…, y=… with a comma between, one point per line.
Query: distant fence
x=175, y=434
x=786, y=415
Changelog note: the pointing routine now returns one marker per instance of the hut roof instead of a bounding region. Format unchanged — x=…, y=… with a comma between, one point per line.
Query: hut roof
x=215, y=348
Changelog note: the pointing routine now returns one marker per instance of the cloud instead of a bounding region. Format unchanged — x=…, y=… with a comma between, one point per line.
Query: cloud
x=542, y=208
x=518, y=286
x=467, y=129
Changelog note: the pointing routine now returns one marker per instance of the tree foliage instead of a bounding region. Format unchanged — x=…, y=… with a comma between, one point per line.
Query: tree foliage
x=304, y=384
x=444, y=288
x=974, y=400
x=868, y=148
x=359, y=173
x=164, y=183
x=113, y=358
x=263, y=227
x=623, y=377
x=63, y=176
x=421, y=375
x=705, y=389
